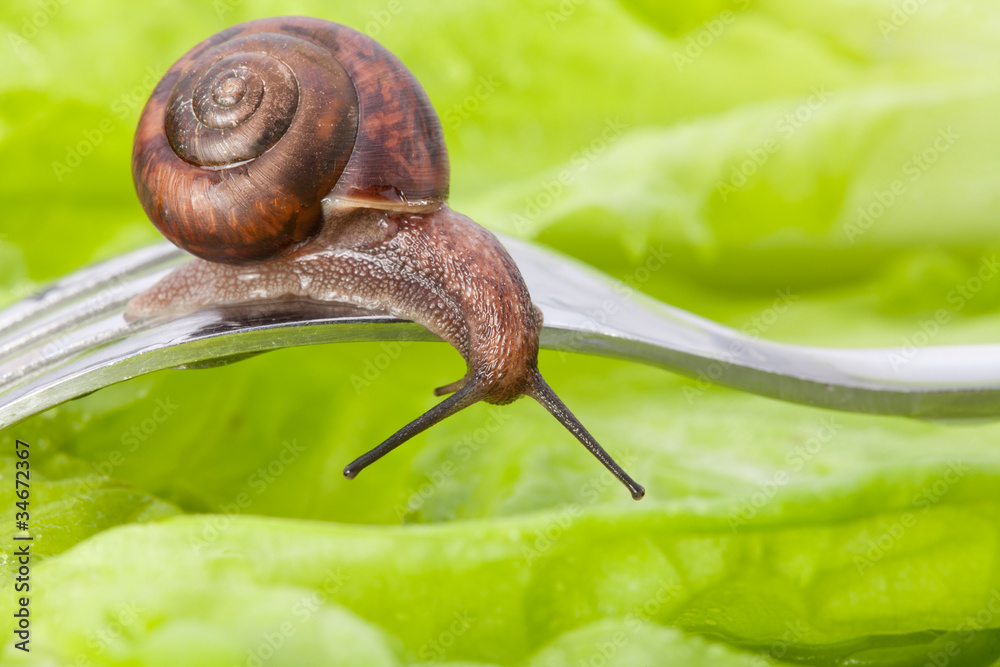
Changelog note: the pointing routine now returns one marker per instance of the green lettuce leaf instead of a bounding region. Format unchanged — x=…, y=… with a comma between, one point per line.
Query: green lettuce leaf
x=778, y=166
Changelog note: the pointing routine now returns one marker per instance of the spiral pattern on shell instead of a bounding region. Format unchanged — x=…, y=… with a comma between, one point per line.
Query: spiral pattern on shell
x=223, y=116
x=250, y=130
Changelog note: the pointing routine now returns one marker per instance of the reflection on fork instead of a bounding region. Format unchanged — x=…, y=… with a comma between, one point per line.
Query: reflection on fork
x=71, y=339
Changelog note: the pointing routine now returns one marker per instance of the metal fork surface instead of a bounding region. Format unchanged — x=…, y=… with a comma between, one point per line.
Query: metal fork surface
x=72, y=339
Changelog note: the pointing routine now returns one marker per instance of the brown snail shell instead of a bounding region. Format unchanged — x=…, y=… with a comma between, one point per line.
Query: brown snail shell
x=297, y=157
x=252, y=128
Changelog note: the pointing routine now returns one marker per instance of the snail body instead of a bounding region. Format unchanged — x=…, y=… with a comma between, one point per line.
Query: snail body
x=297, y=157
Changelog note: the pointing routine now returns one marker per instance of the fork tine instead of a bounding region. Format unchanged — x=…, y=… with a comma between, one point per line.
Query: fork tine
x=585, y=312
x=63, y=320
x=37, y=360
x=90, y=280
x=121, y=350
x=52, y=325
x=72, y=338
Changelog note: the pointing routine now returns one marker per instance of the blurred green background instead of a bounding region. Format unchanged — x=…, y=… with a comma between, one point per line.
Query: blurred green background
x=821, y=172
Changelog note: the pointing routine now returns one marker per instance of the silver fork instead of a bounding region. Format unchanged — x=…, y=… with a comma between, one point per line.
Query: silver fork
x=72, y=339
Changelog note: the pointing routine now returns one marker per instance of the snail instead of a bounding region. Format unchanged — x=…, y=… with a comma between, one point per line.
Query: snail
x=295, y=157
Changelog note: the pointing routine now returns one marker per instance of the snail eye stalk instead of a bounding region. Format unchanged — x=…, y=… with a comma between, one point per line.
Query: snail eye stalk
x=544, y=394
x=457, y=402
x=241, y=159
x=471, y=393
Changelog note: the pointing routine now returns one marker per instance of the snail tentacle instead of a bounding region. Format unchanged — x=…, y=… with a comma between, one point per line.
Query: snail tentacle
x=296, y=157
x=468, y=395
